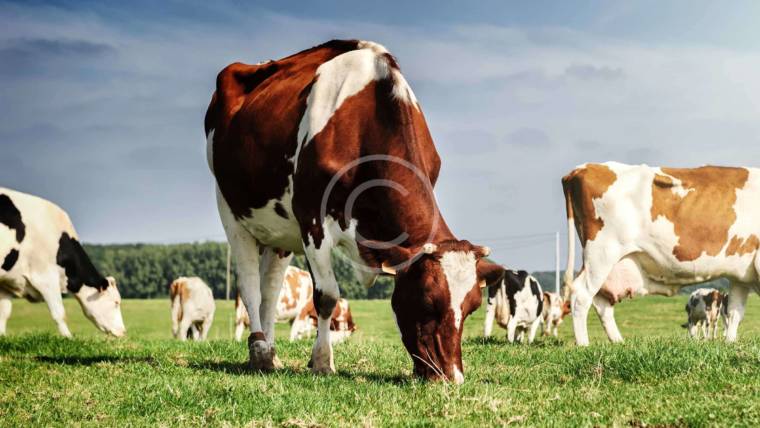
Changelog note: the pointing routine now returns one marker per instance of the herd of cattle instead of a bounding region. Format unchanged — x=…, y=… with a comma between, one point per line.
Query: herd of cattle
x=329, y=149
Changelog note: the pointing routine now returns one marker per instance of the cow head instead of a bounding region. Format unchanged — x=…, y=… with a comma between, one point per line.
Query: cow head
x=437, y=287
x=102, y=305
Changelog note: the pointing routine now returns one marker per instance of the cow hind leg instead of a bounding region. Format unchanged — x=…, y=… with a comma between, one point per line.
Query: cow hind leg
x=606, y=313
x=239, y=328
x=533, y=330
x=511, y=329
x=737, y=299
x=206, y=327
x=490, y=314
x=5, y=311
x=326, y=295
x=272, y=273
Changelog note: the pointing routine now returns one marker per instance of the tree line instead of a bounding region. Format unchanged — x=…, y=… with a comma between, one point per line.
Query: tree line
x=144, y=271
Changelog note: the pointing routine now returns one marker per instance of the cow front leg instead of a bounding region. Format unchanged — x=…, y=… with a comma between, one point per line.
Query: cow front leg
x=533, y=330
x=5, y=310
x=737, y=300
x=272, y=268
x=511, y=329
x=48, y=285
x=326, y=295
x=606, y=313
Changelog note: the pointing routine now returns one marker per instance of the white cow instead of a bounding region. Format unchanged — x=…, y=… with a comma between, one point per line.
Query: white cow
x=41, y=259
x=555, y=310
x=648, y=230
x=193, y=308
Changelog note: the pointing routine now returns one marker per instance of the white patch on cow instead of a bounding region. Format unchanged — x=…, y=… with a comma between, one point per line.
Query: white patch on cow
x=271, y=229
x=459, y=269
x=210, y=150
x=342, y=77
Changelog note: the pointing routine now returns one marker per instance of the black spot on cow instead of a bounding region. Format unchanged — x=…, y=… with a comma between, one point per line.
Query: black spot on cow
x=536, y=291
x=10, y=260
x=280, y=210
x=11, y=217
x=515, y=282
x=78, y=266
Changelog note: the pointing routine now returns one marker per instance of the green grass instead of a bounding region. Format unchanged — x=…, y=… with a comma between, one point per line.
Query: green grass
x=657, y=377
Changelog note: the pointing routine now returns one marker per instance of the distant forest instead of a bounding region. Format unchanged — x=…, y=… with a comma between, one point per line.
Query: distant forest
x=144, y=271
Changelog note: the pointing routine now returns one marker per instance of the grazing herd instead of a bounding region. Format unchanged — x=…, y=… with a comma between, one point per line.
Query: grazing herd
x=328, y=149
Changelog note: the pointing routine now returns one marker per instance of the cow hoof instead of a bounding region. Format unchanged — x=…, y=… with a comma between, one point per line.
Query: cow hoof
x=325, y=370
x=261, y=354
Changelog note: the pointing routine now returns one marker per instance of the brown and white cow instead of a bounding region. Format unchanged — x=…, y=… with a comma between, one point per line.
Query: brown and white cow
x=193, y=308
x=329, y=148
x=648, y=230
x=341, y=322
x=41, y=258
x=296, y=292
x=554, y=312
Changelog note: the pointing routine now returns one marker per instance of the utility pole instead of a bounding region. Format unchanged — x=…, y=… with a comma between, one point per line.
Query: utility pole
x=229, y=263
x=556, y=265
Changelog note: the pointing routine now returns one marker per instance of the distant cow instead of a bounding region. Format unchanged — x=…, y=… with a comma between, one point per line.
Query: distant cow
x=703, y=309
x=193, y=308
x=341, y=322
x=555, y=310
x=296, y=292
x=648, y=230
x=329, y=148
x=41, y=258
x=517, y=304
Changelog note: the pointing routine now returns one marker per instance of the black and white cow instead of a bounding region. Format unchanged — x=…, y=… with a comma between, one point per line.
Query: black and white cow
x=703, y=309
x=42, y=258
x=516, y=303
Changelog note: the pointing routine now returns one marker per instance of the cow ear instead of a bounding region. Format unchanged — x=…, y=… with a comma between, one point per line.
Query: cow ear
x=387, y=258
x=489, y=273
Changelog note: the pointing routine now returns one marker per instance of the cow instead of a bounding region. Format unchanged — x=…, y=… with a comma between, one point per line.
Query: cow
x=649, y=230
x=555, y=310
x=703, y=309
x=341, y=322
x=295, y=293
x=328, y=148
x=516, y=303
x=193, y=308
x=42, y=259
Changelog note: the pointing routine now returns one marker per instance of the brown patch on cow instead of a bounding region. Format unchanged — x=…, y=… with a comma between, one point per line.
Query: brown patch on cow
x=178, y=290
x=742, y=246
x=703, y=217
x=566, y=309
x=581, y=187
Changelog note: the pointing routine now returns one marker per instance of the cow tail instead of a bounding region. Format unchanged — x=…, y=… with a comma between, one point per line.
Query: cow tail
x=571, y=232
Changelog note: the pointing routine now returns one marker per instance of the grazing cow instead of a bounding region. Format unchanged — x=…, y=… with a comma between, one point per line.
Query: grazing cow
x=193, y=308
x=43, y=259
x=648, y=230
x=328, y=148
x=341, y=322
x=555, y=310
x=517, y=303
x=702, y=311
x=296, y=292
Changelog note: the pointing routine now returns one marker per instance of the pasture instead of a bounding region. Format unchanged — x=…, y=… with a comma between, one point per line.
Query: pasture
x=658, y=377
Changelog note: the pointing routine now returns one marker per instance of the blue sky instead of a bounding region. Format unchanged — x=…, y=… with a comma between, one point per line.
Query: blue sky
x=103, y=103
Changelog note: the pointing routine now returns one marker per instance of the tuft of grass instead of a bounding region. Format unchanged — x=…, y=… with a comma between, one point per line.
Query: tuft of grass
x=657, y=377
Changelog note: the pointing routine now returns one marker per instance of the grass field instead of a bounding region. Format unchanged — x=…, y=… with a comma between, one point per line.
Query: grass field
x=657, y=377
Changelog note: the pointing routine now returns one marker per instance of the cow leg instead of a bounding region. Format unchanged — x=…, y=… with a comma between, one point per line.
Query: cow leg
x=737, y=299
x=326, y=295
x=606, y=313
x=533, y=330
x=176, y=316
x=580, y=301
x=48, y=285
x=490, y=311
x=206, y=326
x=272, y=272
x=245, y=251
x=511, y=329
x=5, y=311
x=185, y=327
x=239, y=328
